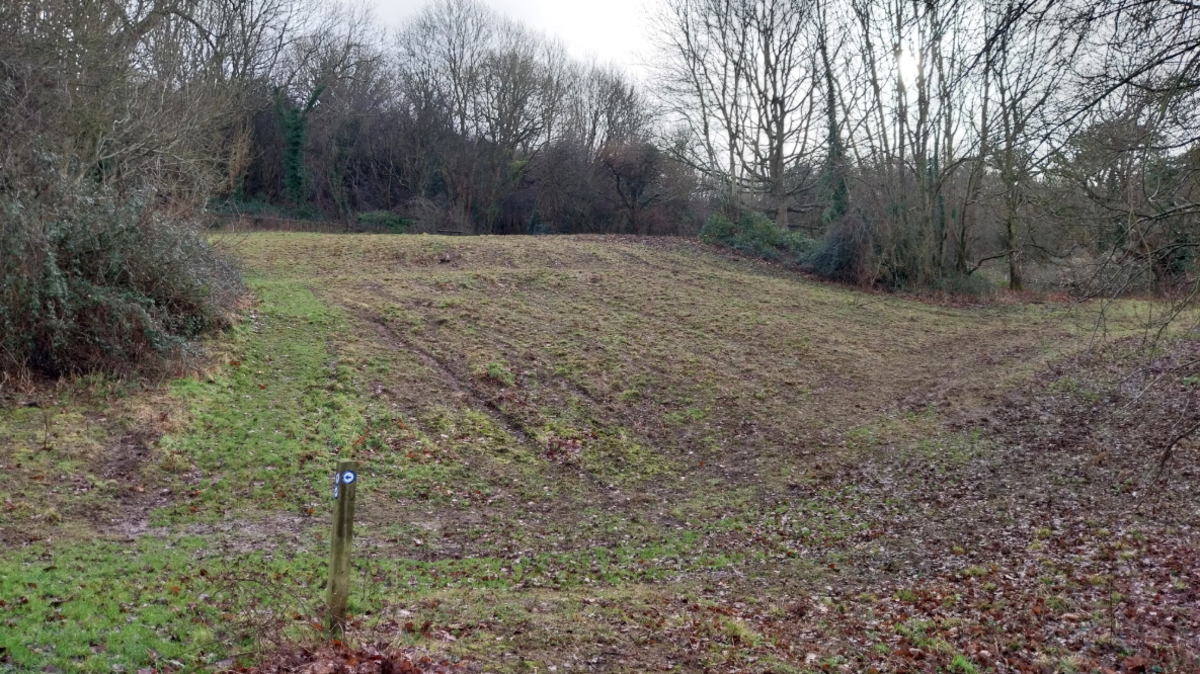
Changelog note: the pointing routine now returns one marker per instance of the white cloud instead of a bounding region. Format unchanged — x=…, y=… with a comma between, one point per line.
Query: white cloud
x=610, y=30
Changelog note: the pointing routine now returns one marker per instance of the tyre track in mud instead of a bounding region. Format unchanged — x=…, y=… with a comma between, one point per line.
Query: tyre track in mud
x=454, y=382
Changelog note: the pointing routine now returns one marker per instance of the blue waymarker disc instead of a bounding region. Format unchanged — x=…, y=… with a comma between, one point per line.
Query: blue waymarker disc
x=335, y=492
x=348, y=477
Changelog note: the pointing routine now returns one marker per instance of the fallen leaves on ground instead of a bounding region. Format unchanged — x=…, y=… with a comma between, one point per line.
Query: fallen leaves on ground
x=338, y=658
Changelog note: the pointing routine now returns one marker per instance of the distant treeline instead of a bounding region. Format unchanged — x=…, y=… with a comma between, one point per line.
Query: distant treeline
x=460, y=121
x=1031, y=142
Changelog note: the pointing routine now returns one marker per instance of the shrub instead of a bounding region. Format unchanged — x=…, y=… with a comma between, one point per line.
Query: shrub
x=976, y=284
x=92, y=281
x=396, y=224
x=834, y=256
x=755, y=235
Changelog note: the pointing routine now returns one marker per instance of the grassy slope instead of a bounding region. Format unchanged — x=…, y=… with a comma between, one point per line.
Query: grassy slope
x=562, y=436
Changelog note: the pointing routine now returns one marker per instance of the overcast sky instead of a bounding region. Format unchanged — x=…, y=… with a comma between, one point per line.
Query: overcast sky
x=610, y=30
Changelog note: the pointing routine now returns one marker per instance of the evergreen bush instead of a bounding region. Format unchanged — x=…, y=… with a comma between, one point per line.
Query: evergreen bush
x=93, y=281
x=840, y=254
x=396, y=224
x=756, y=235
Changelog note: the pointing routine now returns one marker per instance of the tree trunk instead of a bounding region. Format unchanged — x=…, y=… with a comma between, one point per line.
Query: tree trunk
x=1015, y=282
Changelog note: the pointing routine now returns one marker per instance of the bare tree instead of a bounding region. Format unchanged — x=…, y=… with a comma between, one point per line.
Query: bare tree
x=635, y=171
x=739, y=77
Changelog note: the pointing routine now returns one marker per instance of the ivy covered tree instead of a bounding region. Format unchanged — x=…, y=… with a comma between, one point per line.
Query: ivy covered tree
x=293, y=124
x=836, y=195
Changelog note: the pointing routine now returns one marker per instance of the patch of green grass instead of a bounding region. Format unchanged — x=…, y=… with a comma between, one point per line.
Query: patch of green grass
x=961, y=665
x=498, y=372
x=269, y=427
x=918, y=632
x=93, y=606
x=90, y=607
x=1059, y=603
x=684, y=417
x=955, y=449
x=739, y=633
x=616, y=457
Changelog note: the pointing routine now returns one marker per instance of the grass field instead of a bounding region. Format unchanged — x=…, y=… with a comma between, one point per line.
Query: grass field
x=602, y=454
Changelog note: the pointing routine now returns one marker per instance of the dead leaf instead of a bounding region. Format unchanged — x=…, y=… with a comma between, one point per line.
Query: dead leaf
x=1135, y=664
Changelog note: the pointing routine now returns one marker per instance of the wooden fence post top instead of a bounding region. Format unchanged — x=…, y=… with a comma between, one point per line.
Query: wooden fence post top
x=344, y=467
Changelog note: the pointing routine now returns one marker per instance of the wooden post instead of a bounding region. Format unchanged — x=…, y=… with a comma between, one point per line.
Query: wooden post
x=339, y=560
